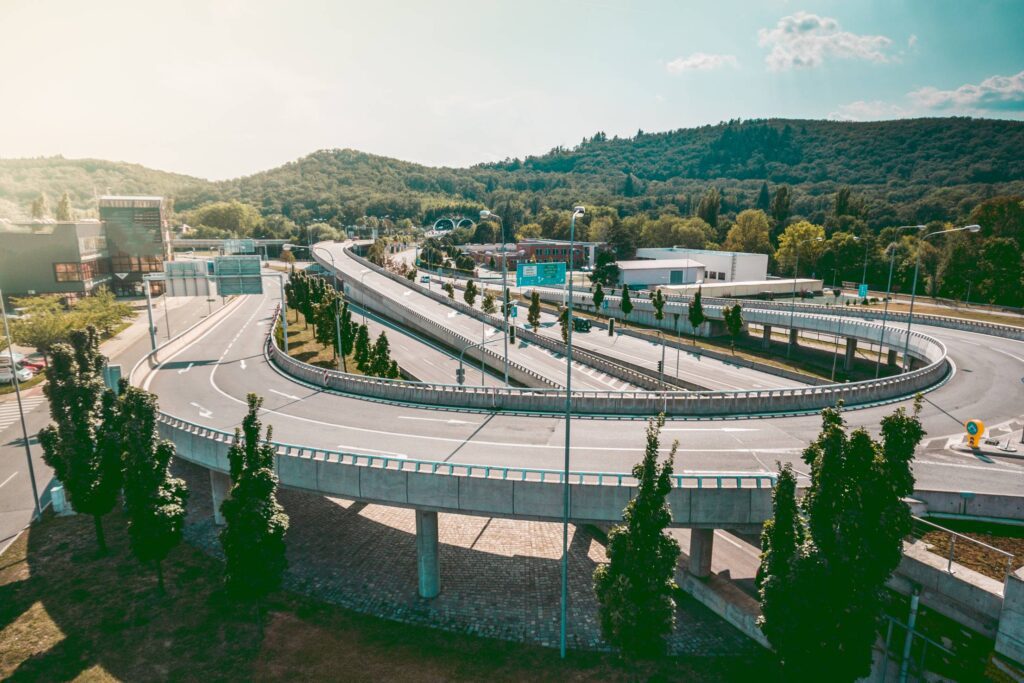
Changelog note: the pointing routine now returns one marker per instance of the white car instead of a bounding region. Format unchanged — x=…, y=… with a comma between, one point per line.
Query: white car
x=6, y=377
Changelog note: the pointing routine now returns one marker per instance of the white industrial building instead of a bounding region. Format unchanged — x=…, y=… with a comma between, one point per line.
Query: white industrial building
x=650, y=273
x=719, y=266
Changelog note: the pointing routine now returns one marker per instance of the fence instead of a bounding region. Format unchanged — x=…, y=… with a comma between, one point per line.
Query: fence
x=962, y=550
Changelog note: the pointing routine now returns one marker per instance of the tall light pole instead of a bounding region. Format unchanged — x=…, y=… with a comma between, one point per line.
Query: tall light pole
x=576, y=212
x=37, y=511
x=484, y=215
x=337, y=317
x=796, y=273
x=888, y=287
x=913, y=289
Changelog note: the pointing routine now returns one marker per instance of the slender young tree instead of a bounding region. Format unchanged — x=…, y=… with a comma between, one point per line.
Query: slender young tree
x=39, y=209
x=626, y=304
x=469, y=296
x=348, y=335
x=563, y=323
x=635, y=589
x=733, y=322
x=75, y=445
x=695, y=313
x=362, y=348
x=153, y=499
x=487, y=305
x=64, y=208
x=255, y=523
x=533, y=313
x=380, y=356
x=598, y=296
x=449, y=289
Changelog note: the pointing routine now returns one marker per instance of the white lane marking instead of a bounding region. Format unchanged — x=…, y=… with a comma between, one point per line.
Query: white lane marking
x=710, y=429
x=400, y=456
x=185, y=369
x=434, y=419
x=453, y=314
x=407, y=293
x=8, y=479
x=1007, y=353
x=242, y=363
x=203, y=412
x=742, y=546
x=970, y=342
x=293, y=397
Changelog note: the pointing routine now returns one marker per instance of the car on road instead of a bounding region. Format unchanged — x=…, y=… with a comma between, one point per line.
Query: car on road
x=424, y=279
x=6, y=376
x=580, y=325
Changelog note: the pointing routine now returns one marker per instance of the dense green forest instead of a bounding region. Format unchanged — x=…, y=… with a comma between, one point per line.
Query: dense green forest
x=685, y=187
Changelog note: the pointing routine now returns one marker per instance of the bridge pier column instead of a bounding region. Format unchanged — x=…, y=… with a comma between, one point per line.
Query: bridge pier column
x=891, y=358
x=766, y=337
x=702, y=542
x=427, y=556
x=220, y=485
x=851, y=353
x=794, y=337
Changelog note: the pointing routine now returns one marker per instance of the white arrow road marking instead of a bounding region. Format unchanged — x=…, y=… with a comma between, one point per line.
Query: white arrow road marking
x=242, y=363
x=281, y=393
x=8, y=479
x=407, y=293
x=185, y=369
x=434, y=419
x=709, y=429
x=453, y=314
x=203, y=412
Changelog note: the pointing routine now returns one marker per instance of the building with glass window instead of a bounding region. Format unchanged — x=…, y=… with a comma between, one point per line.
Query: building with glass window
x=53, y=257
x=138, y=239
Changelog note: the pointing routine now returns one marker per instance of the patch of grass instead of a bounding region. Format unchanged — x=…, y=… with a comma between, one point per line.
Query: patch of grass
x=304, y=347
x=66, y=613
x=8, y=388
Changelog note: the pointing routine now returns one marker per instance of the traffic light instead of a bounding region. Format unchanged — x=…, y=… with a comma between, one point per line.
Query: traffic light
x=460, y=375
x=661, y=366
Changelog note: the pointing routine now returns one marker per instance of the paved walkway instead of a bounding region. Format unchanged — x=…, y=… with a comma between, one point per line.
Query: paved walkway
x=499, y=578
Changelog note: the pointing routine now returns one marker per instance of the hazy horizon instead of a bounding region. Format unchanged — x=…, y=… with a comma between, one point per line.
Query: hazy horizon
x=226, y=89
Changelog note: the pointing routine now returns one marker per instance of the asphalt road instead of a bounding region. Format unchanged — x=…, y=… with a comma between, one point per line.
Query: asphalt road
x=987, y=385
x=125, y=349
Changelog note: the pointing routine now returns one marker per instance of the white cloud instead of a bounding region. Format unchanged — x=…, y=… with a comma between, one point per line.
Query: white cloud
x=912, y=41
x=805, y=40
x=701, y=61
x=876, y=110
x=1000, y=93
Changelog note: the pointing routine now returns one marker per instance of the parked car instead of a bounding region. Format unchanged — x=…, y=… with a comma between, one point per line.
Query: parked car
x=6, y=376
x=36, y=366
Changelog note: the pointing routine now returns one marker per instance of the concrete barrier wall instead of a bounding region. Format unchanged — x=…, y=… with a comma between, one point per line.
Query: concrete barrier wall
x=972, y=504
x=708, y=501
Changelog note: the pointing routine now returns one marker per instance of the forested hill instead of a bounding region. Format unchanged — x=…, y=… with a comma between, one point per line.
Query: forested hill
x=899, y=171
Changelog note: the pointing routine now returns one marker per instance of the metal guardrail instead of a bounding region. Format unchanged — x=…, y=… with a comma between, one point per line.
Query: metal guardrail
x=697, y=481
x=956, y=547
x=637, y=403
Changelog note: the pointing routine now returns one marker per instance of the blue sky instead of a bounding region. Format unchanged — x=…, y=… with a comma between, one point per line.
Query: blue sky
x=229, y=87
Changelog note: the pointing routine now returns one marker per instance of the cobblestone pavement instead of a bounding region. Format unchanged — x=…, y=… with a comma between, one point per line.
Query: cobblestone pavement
x=499, y=578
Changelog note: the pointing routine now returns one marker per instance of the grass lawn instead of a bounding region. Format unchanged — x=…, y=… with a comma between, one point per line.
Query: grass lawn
x=36, y=379
x=304, y=347
x=66, y=614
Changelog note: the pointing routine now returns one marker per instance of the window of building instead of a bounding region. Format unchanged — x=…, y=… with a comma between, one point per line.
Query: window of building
x=67, y=272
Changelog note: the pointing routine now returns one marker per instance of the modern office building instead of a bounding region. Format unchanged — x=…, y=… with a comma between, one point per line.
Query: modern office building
x=45, y=257
x=138, y=239
x=650, y=273
x=719, y=266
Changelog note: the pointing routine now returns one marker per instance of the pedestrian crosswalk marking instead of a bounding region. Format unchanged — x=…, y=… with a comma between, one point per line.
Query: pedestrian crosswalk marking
x=9, y=410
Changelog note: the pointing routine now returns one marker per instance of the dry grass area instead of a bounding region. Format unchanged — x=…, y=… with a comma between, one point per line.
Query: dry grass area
x=303, y=346
x=66, y=614
x=976, y=557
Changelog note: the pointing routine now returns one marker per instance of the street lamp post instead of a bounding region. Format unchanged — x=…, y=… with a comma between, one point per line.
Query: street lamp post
x=913, y=289
x=37, y=511
x=792, y=304
x=576, y=212
x=484, y=215
x=888, y=288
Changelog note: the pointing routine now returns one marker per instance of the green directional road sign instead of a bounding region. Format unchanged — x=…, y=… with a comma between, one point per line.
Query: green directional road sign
x=530, y=274
x=238, y=275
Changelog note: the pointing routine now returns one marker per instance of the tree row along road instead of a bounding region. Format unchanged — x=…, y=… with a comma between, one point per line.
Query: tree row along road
x=987, y=385
x=699, y=370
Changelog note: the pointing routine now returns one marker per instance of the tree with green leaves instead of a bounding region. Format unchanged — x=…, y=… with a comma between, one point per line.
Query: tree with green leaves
x=362, y=348
x=348, y=335
x=847, y=531
x=410, y=274
x=449, y=289
x=733, y=322
x=44, y=323
x=764, y=200
x=635, y=590
x=606, y=270
x=598, y=296
x=39, y=208
x=487, y=305
x=563, y=323
x=325, y=327
x=625, y=303
x=695, y=313
x=779, y=207
x=64, y=212
x=469, y=296
x=709, y=206
x=154, y=500
x=255, y=523
x=533, y=313
x=380, y=356
x=102, y=310
x=76, y=444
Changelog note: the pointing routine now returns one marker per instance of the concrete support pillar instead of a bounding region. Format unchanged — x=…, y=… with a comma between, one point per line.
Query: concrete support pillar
x=891, y=358
x=1010, y=633
x=701, y=543
x=766, y=337
x=220, y=485
x=851, y=353
x=427, y=556
x=794, y=337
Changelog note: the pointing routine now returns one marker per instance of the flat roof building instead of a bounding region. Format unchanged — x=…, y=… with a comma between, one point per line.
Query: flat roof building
x=720, y=266
x=47, y=257
x=649, y=273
